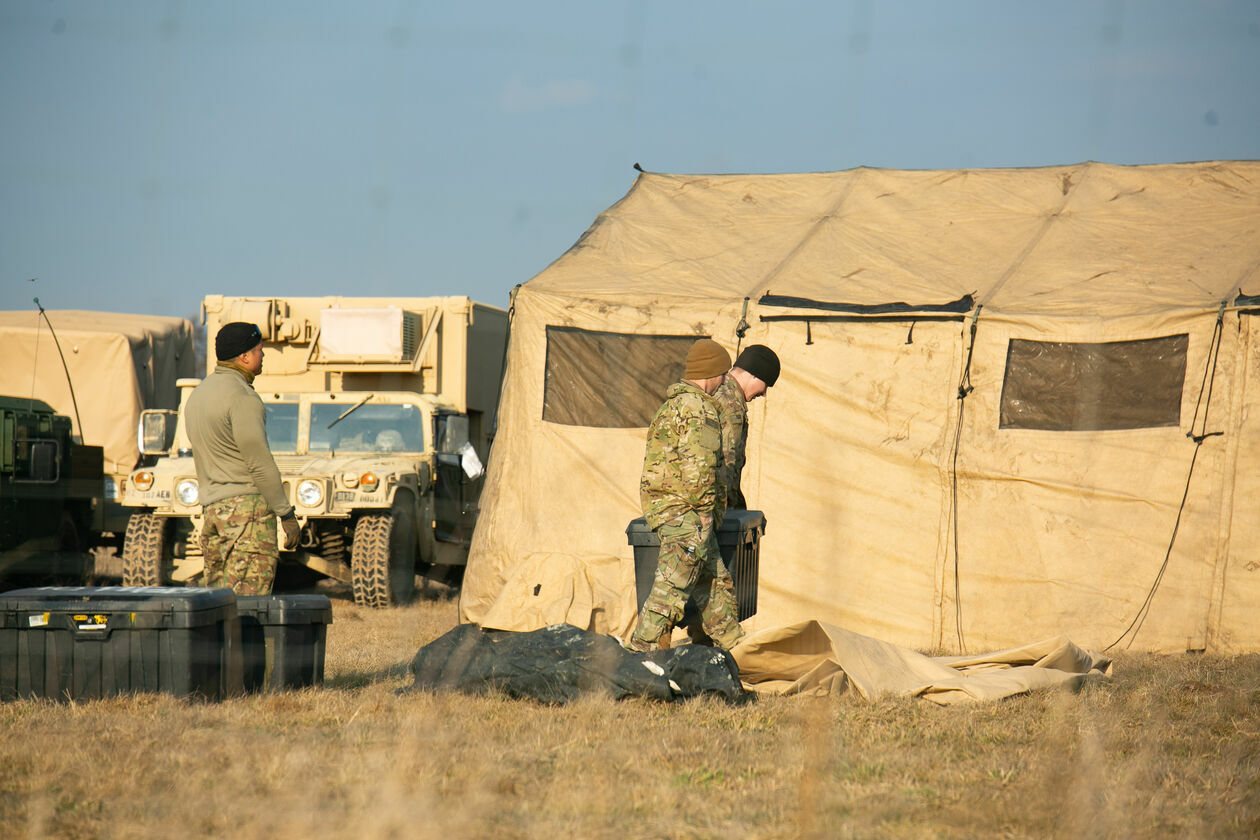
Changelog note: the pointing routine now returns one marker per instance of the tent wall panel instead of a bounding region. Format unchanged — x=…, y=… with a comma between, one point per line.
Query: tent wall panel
x=850, y=451
x=1237, y=595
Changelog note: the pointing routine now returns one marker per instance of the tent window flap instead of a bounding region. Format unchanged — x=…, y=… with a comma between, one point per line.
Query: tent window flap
x=1071, y=387
x=609, y=380
x=963, y=305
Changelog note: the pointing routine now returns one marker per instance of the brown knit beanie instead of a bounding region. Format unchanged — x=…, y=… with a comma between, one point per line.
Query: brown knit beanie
x=706, y=359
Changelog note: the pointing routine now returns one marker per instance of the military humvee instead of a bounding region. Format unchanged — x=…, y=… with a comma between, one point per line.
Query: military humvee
x=379, y=414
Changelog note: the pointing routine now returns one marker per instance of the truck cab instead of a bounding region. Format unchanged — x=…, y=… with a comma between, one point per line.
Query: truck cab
x=50, y=486
x=383, y=463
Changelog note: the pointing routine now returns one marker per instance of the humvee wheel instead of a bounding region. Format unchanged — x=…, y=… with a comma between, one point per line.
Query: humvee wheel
x=146, y=554
x=383, y=557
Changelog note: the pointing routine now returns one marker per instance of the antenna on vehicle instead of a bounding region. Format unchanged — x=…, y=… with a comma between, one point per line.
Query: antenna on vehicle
x=73, y=400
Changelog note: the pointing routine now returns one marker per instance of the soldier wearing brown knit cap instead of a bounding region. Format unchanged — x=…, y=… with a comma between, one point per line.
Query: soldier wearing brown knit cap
x=679, y=490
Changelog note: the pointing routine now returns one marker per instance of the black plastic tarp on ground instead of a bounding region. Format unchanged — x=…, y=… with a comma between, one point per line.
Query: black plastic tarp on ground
x=557, y=664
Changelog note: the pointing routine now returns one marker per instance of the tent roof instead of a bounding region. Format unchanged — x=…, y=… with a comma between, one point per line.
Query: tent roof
x=1089, y=238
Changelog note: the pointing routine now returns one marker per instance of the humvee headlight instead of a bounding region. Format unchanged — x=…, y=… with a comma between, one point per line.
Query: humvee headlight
x=143, y=480
x=310, y=493
x=368, y=482
x=186, y=490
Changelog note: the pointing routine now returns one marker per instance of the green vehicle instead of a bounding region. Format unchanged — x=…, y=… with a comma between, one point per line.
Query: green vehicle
x=50, y=487
x=378, y=415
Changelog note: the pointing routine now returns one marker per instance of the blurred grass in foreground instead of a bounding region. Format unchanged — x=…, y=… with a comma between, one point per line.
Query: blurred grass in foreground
x=1169, y=747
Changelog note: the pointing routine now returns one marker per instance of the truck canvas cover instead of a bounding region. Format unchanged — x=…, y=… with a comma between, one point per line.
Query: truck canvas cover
x=119, y=364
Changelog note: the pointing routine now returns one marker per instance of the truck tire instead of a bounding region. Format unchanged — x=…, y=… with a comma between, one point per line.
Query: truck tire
x=72, y=564
x=383, y=557
x=146, y=551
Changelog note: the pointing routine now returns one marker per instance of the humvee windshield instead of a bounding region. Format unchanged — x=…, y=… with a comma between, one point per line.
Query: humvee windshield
x=282, y=426
x=369, y=428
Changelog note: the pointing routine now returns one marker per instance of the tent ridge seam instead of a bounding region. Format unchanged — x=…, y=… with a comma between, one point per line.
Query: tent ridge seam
x=813, y=231
x=1069, y=189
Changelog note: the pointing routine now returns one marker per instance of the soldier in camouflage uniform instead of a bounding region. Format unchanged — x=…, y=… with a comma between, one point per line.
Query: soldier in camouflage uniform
x=238, y=542
x=238, y=482
x=755, y=370
x=679, y=489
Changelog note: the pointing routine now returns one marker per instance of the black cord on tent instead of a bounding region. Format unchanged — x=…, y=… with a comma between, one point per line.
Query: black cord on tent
x=1205, y=388
x=964, y=388
x=64, y=366
x=741, y=329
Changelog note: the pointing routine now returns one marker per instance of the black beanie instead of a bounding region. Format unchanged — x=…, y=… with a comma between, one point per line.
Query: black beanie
x=761, y=362
x=236, y=338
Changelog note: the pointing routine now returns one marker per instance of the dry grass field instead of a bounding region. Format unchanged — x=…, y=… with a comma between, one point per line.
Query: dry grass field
x=1169, y=747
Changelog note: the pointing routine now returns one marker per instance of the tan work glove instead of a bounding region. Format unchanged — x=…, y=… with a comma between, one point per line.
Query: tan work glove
x=292, y=531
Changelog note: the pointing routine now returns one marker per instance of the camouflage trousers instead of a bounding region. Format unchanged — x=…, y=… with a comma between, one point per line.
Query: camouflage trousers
x=689, y=572
x=238, y=542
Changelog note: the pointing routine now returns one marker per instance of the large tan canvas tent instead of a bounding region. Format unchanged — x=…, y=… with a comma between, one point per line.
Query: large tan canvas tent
x=1014, y=403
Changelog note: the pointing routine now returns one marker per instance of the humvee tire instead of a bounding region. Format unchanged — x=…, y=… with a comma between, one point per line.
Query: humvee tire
x=383, y=556
x=146, y=553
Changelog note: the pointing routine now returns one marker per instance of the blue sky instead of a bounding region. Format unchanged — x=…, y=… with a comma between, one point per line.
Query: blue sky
x=156, y=152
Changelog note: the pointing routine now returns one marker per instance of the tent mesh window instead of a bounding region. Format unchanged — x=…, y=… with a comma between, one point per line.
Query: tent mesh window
x=1073, y=387
x=609, y=380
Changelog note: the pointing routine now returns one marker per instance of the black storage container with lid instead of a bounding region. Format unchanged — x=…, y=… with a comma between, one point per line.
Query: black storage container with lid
x=83, y=642
x=739, y=539
x=283, y=640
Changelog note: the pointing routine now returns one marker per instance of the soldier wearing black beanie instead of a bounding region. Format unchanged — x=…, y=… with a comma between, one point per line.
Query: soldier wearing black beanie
x=238, y=484
x=761, y=362
x=755, y=370
x=236, y=338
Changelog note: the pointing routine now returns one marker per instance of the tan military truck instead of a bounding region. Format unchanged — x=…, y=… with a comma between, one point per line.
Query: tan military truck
x=379, y=415
x=103, y=370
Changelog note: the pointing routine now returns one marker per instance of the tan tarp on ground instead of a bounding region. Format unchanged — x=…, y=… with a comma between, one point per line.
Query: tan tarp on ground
x=120, y=365
x=821, y=659
x=804, y=658
x=858, y=457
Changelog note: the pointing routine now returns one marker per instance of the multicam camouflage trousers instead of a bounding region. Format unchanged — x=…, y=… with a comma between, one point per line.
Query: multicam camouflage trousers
x=238, y=541
x=689, y=566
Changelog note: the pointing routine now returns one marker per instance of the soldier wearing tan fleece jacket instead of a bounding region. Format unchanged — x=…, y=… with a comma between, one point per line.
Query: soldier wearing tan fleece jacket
x=239, y=485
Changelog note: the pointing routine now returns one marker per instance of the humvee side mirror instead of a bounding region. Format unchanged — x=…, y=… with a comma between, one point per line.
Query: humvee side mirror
x=156, y=432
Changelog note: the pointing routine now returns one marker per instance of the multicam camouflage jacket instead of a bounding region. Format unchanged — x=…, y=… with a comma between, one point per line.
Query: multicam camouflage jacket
x=733, y=418
x=682, y=464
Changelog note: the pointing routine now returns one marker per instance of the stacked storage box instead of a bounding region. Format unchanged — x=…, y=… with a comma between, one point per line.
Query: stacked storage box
x=283, y=640
x=84, y=642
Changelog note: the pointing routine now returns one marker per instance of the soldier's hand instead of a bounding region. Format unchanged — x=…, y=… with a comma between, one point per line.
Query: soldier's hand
x=292, y=531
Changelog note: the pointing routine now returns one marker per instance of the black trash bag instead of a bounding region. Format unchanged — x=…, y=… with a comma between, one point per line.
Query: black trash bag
x=559, y=663
x=697, y=669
